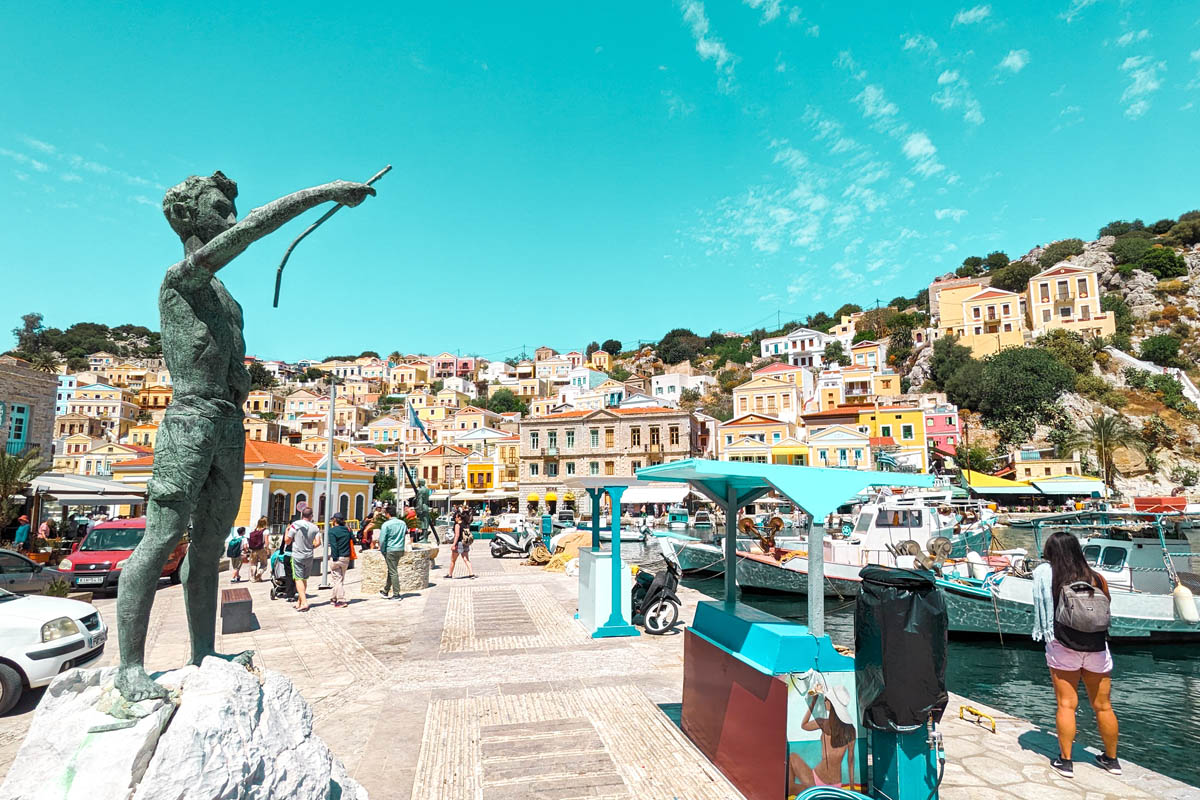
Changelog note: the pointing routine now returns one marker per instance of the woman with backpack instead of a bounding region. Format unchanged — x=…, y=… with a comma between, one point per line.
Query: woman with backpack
x=256, y=549
x=1071, y=615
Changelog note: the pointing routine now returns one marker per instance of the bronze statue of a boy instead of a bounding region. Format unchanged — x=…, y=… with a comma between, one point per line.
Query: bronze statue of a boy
x=199, y=458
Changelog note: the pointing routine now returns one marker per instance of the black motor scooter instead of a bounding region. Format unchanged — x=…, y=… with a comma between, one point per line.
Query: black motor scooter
x=653, y=598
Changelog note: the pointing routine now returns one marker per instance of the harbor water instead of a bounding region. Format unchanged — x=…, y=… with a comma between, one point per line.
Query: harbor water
x=1156, y=689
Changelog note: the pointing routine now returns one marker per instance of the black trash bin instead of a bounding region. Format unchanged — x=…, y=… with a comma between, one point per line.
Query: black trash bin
x=900, y=632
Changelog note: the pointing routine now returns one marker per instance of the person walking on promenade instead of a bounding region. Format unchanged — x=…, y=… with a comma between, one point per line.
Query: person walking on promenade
x=461, y=544
x=235, y=551
x=256, y=549
x=1071, y=615
x=304, y=537
x=391, y=545
x=339, y=559
x=21, y=537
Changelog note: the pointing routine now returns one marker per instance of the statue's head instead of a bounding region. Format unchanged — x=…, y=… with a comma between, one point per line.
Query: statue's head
x=420, y=481
x=201, y=207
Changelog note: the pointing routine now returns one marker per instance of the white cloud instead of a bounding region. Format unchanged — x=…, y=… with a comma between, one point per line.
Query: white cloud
x=919, y=149
x=1015, y=61
x=770, y=8
x=141, y=199
x=1144, y=81
x=709, y=48
x=955, y=214
x=37, y=144
x=1129, y=37
x=70, y=177
x=1076, y=7
x=919, y=42
x=956, y=94
x=789, y=156
x=971, y=16
x=1195, y=56
x=874, y=103
x=676, y=105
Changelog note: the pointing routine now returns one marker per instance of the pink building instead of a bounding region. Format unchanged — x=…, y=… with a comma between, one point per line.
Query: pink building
x=942, y=430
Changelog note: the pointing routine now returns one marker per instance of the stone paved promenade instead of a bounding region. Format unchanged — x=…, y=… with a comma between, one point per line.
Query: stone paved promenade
x=487, y=688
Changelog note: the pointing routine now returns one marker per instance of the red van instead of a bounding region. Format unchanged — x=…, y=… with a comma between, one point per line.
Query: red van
x=96, y=561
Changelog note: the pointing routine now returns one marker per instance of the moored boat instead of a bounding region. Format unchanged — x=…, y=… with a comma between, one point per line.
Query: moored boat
x=702, y=519
x=677, y=517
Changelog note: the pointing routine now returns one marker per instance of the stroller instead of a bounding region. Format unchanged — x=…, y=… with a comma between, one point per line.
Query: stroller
x=283, y=583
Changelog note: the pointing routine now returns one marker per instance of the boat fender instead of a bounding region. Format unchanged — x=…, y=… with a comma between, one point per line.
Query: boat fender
x=1185, y=604
x=979, y=568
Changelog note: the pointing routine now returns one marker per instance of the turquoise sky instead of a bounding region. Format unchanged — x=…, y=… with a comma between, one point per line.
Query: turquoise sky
x=567, y=172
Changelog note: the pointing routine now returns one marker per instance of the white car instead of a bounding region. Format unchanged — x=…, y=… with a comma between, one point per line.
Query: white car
x=42, y=636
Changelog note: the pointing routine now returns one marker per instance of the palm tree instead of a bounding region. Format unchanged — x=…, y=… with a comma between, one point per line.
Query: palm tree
x=1104, y=435
x=44, y=362
x=17, y=471
x=394, y=357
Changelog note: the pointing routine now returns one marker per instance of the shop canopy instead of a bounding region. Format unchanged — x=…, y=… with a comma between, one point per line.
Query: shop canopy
x=83, y=490
x=665, y=494
x=1077, y=485
x=984, y=484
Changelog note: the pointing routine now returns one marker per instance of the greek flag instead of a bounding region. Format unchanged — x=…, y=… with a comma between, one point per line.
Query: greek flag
x=415, y=421
x=885, y=460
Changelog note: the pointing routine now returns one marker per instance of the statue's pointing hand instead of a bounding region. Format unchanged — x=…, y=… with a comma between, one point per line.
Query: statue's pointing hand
x=351, y=194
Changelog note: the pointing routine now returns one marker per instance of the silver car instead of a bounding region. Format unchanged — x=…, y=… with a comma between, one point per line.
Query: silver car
x=19, y=575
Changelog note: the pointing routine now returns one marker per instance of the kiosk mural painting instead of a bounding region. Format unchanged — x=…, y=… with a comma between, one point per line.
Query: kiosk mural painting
x=824, y=747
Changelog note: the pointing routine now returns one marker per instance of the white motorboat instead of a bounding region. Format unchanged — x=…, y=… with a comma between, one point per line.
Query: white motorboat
x=702, y=519
x=677, y=518
x=890, y=530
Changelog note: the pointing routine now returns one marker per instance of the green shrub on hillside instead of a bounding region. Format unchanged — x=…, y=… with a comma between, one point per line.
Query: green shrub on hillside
x=1162, y=350
x=1070, y=348
x=1060, y=251
x=1186, y=231
x=1015, y=277
x=1129, y=249
x=1162, y=262
x=1091, y=386
x=997, y=259
x=1162, y=226
x=1120, y=227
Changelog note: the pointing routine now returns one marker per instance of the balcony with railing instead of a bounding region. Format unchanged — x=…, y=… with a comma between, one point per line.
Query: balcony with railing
x=16, y=448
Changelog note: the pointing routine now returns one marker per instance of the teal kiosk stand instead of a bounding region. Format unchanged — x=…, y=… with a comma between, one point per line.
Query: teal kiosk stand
x=768, y=700
x=604, y=583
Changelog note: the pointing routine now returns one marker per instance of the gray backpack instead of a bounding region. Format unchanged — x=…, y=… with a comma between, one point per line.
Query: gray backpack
x=1082, y=607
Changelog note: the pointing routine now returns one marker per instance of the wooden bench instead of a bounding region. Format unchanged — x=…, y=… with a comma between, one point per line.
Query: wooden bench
x=236, y=611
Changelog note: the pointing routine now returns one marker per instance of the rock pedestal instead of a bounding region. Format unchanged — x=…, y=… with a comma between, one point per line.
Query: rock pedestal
x=228, y=732
x=413, y=569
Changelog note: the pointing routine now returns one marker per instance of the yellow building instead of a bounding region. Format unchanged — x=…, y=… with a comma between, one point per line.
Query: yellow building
x=1030, y=464
x=791, y=451
x=1068, y=297
x=869, y=354
x=144, y=435
x=320, y=444
x=767, y=395
x=155, y=398
x=840, y=446
x=480, y=475
x=405, y=377
x=452, y=398
x=112, y=405
x=263, y=401
x=277, y=478
x=385, y=430
x=761, y=428
x=75, y=447
x=99, y=461
x=601, y=361
x=261, y=429
x=904, y=426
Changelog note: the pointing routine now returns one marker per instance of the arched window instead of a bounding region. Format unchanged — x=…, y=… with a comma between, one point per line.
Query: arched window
x=321, y=507
x=301, y=497
x=360, y=506
x=344, y=504
x=280, y=510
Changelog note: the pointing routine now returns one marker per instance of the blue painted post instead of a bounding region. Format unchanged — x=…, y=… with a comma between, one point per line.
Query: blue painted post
x=816, y=579
x=731, y=511
x=595, y=495
x=616, y=625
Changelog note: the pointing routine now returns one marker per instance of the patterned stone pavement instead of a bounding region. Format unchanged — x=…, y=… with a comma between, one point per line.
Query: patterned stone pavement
x=487, y=688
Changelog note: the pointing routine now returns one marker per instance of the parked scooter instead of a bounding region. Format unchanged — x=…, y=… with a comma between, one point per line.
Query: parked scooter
x=520, y=541
x=653, y=598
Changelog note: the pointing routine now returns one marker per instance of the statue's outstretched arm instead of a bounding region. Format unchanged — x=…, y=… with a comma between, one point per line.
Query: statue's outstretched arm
x=269, y=218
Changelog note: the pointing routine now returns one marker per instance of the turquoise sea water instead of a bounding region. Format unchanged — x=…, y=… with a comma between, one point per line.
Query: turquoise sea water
x=1156, y=690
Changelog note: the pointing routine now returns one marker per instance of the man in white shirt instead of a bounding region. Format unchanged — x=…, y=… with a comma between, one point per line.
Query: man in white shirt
x=305, y=538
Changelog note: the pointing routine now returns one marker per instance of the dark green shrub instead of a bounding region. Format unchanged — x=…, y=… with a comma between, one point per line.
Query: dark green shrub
x=1120, y=227
x=1129, y=249
x=1060, y=251
x=1162, y=350
x=1162, y=262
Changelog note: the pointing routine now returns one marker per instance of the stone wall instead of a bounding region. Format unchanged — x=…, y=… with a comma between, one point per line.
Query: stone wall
x=21, y=385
